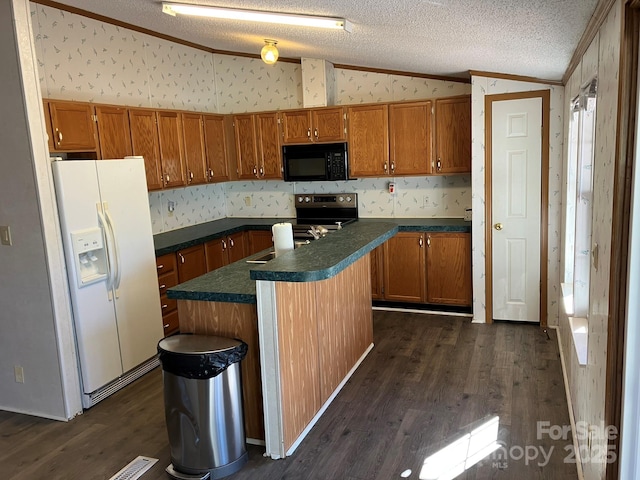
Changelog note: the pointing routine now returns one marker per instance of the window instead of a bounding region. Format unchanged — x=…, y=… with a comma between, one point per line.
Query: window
x=578, y=250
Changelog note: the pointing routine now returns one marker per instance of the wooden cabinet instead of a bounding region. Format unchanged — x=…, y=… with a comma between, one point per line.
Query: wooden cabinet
x=167, y=278
x=171, y=148
x=410, y=138
x=452, y=135
x=322, y=125
x=216, y=143
x=429, y=267
x=368, y=140
x=191, y=263
x=376, y=258
x=268, y=146
x=259, y=240
x=448, y=264
x=194, y=148
x=114, y=132
x=257, y=146
x=404, y=272
x=223, y=251
x=73, y=126
x=145, y=142
x=48, y=126
x=158, y=137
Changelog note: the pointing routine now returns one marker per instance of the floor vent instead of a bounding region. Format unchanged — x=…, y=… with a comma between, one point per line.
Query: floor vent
x=135, y=469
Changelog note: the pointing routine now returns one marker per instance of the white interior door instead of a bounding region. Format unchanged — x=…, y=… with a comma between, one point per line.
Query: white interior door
x=516, y=162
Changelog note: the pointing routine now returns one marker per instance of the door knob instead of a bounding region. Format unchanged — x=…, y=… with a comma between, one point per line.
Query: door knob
x=498, y=226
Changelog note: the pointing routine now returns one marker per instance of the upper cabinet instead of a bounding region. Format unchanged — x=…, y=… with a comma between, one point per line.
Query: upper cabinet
x=114, y=131
x=144, y=140
x=171, y=148
x=410, y=138
x=257, y=146
x=368, y=140
x=73, y=126
x=452, y=135
x=194, y=149
x=323, y=125
x=216, y=147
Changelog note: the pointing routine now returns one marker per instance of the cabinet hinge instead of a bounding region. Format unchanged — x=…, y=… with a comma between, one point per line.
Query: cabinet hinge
x=279, y=122
x=94, y=117
x=433, y=110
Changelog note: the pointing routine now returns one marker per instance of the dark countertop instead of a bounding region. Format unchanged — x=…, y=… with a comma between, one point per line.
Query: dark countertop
x=319, y=260
x=175, y=240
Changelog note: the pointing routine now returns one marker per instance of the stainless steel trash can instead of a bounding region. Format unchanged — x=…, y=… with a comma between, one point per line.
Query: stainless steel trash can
x=203, y=405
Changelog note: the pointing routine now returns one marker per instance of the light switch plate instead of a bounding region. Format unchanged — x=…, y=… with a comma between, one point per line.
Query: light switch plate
x=5, y=235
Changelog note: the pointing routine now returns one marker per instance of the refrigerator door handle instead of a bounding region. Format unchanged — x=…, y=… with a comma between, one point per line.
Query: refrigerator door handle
x=112, y=229
x=110, y=262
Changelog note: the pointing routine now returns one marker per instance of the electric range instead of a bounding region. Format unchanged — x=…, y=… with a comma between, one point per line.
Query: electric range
x=319, y=214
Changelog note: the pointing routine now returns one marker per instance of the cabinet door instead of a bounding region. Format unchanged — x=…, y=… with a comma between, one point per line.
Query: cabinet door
x=171, y=150
x=259, y=240
x=453, y=135
x=215, y=140
x=296, y=126
x=216, y=254
x=144, y=141
x=404, y=271
x=368, y=140
x=48, y=126
x=449, y=268
x=237, y=246
x=195, y=161
x=114, y=132
x=328, y=125
x=73, y=126
x=268, y=139
x=191, y=263
x=376, y=258
x=246, y=149
x=410, y=138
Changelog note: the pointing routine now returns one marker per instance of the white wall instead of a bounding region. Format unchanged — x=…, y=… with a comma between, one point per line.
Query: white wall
x=35, y=321
x=587, y=383
x=482, y=86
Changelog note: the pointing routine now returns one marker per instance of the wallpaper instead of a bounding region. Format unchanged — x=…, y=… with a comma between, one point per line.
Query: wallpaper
x=482, y=86
x=415, y=197
x=197, y=204
x=587, y=383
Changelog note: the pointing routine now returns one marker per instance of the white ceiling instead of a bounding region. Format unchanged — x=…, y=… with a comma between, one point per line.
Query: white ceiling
x=440, y=37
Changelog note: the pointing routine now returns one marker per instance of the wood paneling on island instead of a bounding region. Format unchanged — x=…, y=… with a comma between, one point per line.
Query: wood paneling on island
x=234, y=320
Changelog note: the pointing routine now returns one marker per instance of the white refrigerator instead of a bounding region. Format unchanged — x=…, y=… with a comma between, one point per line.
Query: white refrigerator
x=111, y=268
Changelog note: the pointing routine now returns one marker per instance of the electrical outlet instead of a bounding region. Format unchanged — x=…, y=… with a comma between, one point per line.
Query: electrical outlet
x=5, y=235
x=247, y=201
x=19, y=372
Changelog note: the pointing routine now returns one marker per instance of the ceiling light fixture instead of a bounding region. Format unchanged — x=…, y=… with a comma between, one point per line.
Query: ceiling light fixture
x=256, y=16
x=269, y=52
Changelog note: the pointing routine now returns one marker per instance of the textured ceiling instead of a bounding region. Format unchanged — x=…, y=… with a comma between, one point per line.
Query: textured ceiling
x=440, y=37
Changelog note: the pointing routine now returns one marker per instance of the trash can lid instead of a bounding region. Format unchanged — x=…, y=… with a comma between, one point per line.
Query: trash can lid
x=197, y=344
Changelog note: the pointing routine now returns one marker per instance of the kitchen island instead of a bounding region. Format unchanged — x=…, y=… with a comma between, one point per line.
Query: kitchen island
x=306, y=316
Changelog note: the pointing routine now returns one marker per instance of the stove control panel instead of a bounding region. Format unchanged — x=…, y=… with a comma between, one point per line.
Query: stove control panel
x=333, y=200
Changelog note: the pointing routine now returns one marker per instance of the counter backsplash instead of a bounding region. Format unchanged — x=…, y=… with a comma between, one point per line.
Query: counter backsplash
x=415, y=197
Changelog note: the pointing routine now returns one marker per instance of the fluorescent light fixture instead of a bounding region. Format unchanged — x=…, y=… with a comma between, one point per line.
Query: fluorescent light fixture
x=256, y=16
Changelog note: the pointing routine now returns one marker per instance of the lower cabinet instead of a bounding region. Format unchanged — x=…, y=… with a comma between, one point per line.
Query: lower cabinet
x=226, y=250
x=259, y=240
x=191, y=263
x=168, y=277
x=423, y=267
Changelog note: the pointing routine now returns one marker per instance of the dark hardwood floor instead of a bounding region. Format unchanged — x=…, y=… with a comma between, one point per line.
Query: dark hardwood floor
x=426, y=383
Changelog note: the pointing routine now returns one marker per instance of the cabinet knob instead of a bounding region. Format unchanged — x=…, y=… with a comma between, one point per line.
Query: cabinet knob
x=166, y=325
x=163, y=286
x=438, y=164
x=210, y=173
x=428, y=241
x=165, y=306
x=160, y=267
x=190, y=177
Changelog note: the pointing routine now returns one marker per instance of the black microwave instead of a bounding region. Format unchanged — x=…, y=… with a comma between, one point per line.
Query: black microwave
x=315, y=162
